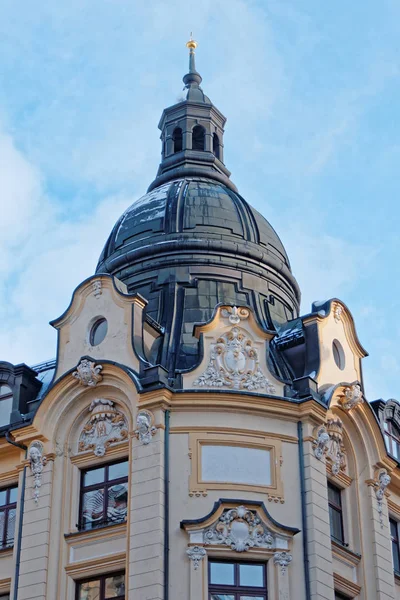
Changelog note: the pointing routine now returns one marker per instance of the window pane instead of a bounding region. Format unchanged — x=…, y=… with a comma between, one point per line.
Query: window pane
x=252, y=597
x=93, y=476
x=336, y=524
x=117, y=502
x=222, y=573
x=98, y=332
x=222, y=597
x=119, y=470
x=334, y=494
x=3, y=497
x=2, y=525
x=13, y=497
x=89, y=590
x=396, y=556
x=92, y=508
x=115, y=586
x=251, y=575
x=11, y=526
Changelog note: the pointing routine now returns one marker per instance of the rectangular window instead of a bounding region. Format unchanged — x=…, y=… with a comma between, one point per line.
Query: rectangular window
x=8, y=511
x=106, y=587
x=339, y=596
x=335, y=513
x=236, y=581
x=394, y=535
x=104, y=495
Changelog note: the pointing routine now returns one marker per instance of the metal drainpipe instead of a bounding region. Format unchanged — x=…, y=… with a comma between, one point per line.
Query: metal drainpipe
x=166, y=507
x=303, y=511
x=21, y=515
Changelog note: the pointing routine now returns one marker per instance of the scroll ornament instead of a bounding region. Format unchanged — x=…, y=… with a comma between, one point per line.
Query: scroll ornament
x=235, y=314
x=36, y=462
x=240, y=529
x=88, y=373
x=144, y=426
x=105, y=426
x=351, y=397
x=329, y=442
x=196, y=554
x=234, y=363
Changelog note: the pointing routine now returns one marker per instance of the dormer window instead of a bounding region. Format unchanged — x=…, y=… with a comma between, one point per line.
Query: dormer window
x=6, y=400
x=392, y=439
x=216, y=145
x=198, y=138
x=177, y=139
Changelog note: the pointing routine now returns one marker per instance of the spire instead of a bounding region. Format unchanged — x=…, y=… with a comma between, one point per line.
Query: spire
x=193, y=77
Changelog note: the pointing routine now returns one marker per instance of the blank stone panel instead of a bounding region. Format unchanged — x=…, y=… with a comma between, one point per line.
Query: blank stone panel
x=235, y=464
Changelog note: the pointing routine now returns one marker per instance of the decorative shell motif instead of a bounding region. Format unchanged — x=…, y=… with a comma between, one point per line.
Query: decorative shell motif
x=234, y=364
x=105, y=426
x=241, y=529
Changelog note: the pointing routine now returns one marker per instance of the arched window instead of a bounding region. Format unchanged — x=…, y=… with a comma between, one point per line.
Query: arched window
x=216, y=145
x=392, y=439
x=198, y=138
x=6, y=399
x=177, y=139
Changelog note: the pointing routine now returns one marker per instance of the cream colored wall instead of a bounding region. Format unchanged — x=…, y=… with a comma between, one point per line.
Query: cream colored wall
x=86, y=308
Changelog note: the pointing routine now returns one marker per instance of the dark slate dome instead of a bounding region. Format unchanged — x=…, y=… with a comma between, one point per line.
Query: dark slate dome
x=192, y=241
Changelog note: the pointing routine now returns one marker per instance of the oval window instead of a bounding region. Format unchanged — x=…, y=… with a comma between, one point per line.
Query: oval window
x=98, y=332
x=338, y=354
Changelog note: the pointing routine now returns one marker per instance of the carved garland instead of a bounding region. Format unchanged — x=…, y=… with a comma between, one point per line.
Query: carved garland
x=105, y=426
x=234, y=363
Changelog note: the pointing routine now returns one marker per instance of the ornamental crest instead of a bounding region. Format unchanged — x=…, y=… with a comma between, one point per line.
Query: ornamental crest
x=88, y=373
x=240, y=529
x=235, y=314
x=234, y=364
x=351, y=397
x=106, y=426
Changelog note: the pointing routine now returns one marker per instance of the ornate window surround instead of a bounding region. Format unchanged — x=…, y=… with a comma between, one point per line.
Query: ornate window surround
x=198, y=439
x=222, y=535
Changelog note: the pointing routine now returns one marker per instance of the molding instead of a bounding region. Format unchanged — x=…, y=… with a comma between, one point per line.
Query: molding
x=96, y=566
x=118, y=450
x=393, y=508
x=80, y=538
x=345, y=555
x=10, y=477
x=346, y=586
x=232, y=430
x=198, y=487
x=5, y=585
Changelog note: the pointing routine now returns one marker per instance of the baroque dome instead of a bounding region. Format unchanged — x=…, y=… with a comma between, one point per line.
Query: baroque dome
x=193, y=242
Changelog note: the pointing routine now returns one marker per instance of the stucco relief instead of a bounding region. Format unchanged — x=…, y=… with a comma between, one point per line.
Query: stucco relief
x=88, y=373
x=283, y=559
x=36, y=462
x=196, y=555
x=380, y=484
x=329, y=443
x=234, y=363
x=105, y=426
x=235, y=314
x=351, y=397
x=337, y=312
x=240, y=529
x=97, y=288
x=144, y=426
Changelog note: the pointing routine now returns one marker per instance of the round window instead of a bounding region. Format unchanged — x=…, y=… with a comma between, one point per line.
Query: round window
x=98, y=332
x=338, y=354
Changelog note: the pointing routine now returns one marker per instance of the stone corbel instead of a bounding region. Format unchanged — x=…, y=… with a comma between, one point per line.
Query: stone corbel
x=328, y=442
x=145, y=428
x=37, y=461
x=281, y=561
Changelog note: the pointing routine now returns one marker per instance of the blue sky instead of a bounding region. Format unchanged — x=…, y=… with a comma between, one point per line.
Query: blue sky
x=312, y=93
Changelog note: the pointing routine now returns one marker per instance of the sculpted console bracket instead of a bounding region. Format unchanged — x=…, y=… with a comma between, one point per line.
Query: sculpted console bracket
x=329, y=442
x=105, y=426
x=36, y=462
x=380, y=483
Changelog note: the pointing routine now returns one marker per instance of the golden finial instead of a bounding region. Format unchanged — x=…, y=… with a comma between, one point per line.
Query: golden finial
x=191, y=44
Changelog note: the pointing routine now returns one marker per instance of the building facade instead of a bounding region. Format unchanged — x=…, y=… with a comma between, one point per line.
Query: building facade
x=196, y=438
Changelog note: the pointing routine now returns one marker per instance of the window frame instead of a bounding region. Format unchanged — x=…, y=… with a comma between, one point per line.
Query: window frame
x=6, y=509
x=104, y=485
x=395, y=541
x=392, y=438
x=102, y=579
x=237, y=590
x=338, y=508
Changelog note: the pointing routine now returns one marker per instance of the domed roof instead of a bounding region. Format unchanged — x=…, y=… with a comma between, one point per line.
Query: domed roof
x=192, y=243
